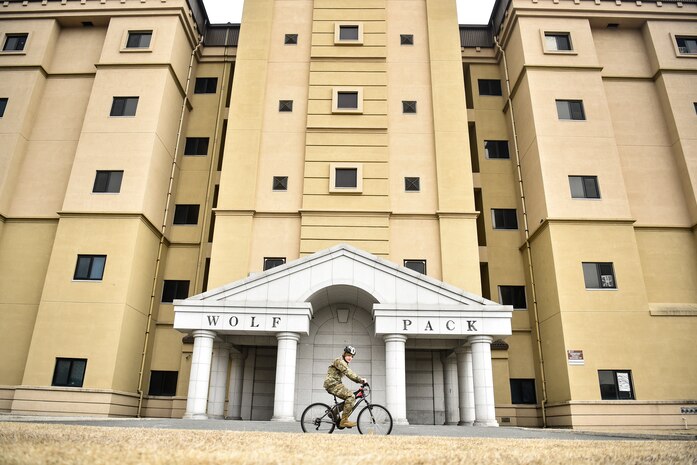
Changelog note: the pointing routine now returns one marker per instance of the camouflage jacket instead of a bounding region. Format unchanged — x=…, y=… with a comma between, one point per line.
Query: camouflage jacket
x=336, y=371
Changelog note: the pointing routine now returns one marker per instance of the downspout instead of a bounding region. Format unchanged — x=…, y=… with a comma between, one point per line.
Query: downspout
x=163, y=229
x=528, y=249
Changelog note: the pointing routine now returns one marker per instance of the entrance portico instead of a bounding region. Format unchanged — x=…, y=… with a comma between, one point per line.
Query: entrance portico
x=371, y=302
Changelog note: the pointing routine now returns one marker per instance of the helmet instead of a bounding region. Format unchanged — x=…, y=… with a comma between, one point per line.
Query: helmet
x=350, y=350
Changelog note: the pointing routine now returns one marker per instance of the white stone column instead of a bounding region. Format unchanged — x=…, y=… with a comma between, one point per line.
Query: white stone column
x=216, y=391
x=450, y=386
x=465, y=385
x=234, y=398
x=284, y=397
x=197, y=398
x=396, y=382
x=484, y=406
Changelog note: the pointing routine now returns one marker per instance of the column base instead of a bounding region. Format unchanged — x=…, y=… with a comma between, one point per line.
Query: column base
x=450, y=423
x=465, y=423
x=491, y=423
x=400, y=421
x=233, y=418
x=195, y=416
x=285, y=419
x=216, y=417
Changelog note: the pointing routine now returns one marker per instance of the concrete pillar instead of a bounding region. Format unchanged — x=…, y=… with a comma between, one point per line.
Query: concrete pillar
x=484, y=406
x=451, y=392
x=284, y=397
x=465, y=385
x=396, y=382
x=234, y=402
x=216, y=391
x=197, y=398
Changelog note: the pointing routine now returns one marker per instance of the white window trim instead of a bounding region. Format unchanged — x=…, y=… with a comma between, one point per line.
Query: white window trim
x=338, y=41
x=335, y=100
x=124, y=41
x=674, y=40
x=547, y=51
x=346, y=190
x=3, y=39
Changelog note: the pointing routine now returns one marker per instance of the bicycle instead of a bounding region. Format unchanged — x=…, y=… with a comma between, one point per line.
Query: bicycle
x=372, y=419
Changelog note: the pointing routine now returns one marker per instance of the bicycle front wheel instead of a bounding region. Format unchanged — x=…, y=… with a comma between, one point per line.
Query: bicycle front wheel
x=317, y=418
x=375, y=419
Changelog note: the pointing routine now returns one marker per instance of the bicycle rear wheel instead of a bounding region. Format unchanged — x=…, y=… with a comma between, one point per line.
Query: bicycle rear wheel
x=374, y=419
x=317, y=418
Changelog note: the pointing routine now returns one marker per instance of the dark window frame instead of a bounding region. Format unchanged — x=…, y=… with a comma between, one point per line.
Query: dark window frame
x=290, y=39
x=107, y=182
x=273, y=262
x=504, y=218
x=514, y=295
x=186, y=214
x=121, y=106
x=612, y=391
x=87, y=274
x=174, y=289
x=489, y=87
x=163, y=383
x=75, y=366
x=496, y=149
x=409, y=106
x=414, y=263
x=412, y=184
x=196, y=146
x=3, y=105
x=595, y=272
x=285, y=106
x=687, y=47
x=138, y=40
x=15, y=42
x=588, y=185
x=206, y=85
x=280, y=183
x=523, y=391
x=406, y=39
x=574, y=108
x=565, y=41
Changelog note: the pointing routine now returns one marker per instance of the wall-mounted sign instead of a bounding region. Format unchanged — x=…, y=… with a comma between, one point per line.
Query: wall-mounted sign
x=575, y=357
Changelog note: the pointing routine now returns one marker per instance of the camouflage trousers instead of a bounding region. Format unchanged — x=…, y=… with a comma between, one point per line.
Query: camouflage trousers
x=342, y=392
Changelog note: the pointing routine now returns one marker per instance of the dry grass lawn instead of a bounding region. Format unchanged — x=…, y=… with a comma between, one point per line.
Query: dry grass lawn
x=25, y=443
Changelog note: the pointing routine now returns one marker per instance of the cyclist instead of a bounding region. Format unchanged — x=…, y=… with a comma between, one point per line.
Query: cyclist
x=333, y=385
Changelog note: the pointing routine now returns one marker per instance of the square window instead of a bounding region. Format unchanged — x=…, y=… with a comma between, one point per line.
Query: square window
x=124, y=106
x=513, y=295
x=163, y=383
x=496, y=149
x=599, y=275
x=417, y=265
x=174, y=289
x=412, y=184
x=489, y=87
x=504, y=218
x=196, y=146
x=280, y=183
x=107, y=182
x=186, y=214
x=15, y=42
x=346, y=177
x=273, y=262
x=139, y=39
x=285, y=105
x=347, y=100
x=558, y=41
x=291, y=39
x=523, y=391
x=408, y=106
x=3, y=106
x=570, y=110
x=616, y=385
x=89, y=267
x=687, y=45
x=206, y=85
x=69, y=372
x=348, y=32
x=406, y=39
x=584, y=187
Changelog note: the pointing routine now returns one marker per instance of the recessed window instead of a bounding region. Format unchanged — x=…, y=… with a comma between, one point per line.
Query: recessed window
x=291, y=39
x=599, y=275
x=513, y=295
x=570, y=109
x=285, y=105
x=280, y=183
x=347, y=100
x=558, y=41
x=417, y=265
x=412, y=184
x=584, y=187
x=504, y=218
x=15, y=42
x=687, y=45
x=3, y=106
x=174, y=289
x=107, y=182
x=348, y=33
x=186, y=214
x=346, y=177
x=408, y=106
x=139, y=39
x=616, y=385
x=523, y=391
x=196, y=146
x=406, y=39
x=90, y=267
x=273, y=262
x=69, y=372
x=206, y=85
x=163, y=383
x=489, y=87
x=124, y=106
x=496, y=149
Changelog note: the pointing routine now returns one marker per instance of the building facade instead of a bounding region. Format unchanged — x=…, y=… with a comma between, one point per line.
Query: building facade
x=196, y=218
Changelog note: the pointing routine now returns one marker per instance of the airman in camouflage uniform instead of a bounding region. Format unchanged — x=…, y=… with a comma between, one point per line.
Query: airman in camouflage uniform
x=332, y=383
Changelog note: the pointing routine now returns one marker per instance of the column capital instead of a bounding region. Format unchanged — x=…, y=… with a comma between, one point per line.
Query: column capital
x=395, y=338
x=204, y=333
x=288, y=336
x=480, y=339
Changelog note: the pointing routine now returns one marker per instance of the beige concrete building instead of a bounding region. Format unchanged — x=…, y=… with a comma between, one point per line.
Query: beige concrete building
x=195, y=218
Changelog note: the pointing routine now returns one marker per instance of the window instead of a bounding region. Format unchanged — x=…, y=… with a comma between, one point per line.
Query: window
x=291, y=39
x=3, y=106
x=348, y=33
x=347, y=100
x=496, y=149
x=196, y=146
x=15, y=42
x=504, y=218
x=599, y=275
x=186, y=214
x=174, y=289
x=406, y=39
x=139, y=39
x=584, y=187
x=346, y=177
x=124, y=106
x=686, y=45
x=285, y=105
x=107, y=182
x=273, y=262
x=163, y=383
x=408, y=106
x=489, y=87
x=616, y=385
x=206, y=85
x=523, y=391
x=280, y=183
x=69, y=372
x=513, y=295
x=558, y=41
x=412, y=184
x=89, y=267
x=417, y=265
x=570, y=109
